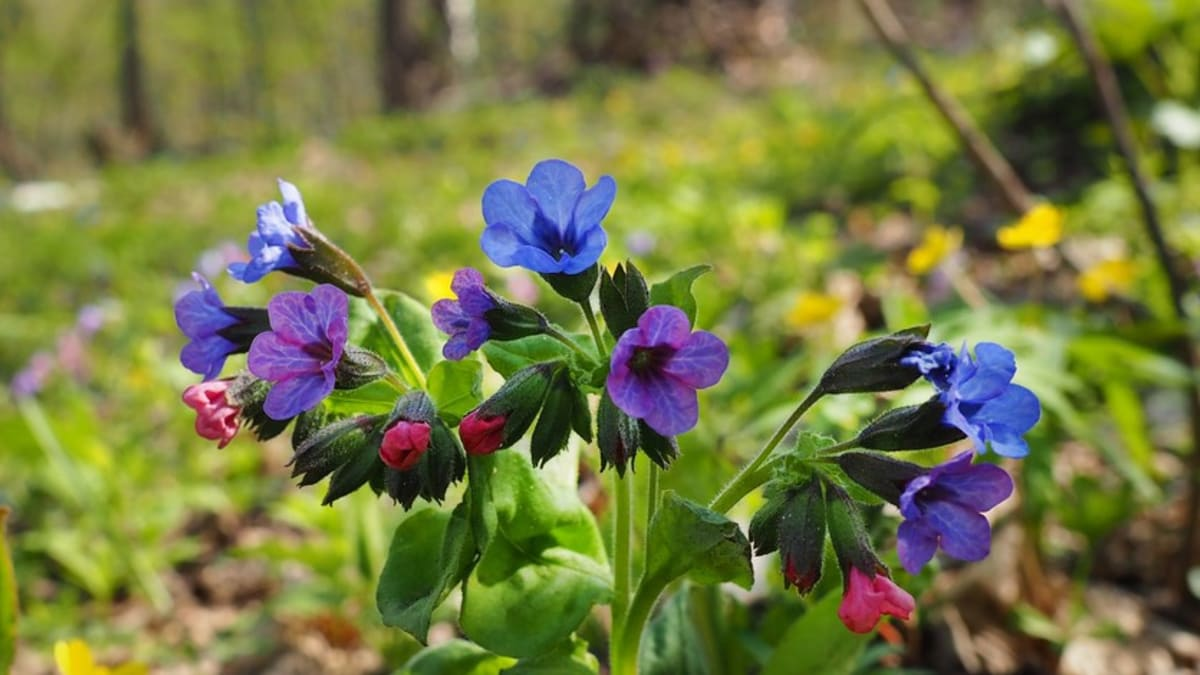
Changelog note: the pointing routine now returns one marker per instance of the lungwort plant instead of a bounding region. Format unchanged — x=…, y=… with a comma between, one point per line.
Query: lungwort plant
x=376, y=399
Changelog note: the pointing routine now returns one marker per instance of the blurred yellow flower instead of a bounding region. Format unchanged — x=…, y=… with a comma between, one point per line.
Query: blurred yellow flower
x=75, y=658
x=1040, y=227
x=1103, y=279
x=437, y=285
x=811, y=309
x=939, y=242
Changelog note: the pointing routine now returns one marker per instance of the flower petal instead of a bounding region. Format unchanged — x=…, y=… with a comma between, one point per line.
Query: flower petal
x=508, y=203
x=297, y=394
x=587, y=252
x=206, y=356
x=293, y=318
x=1016, y=408
x=466, y=278
x=331, y=316
x=965, y=534
x=594, y=204
x=449, y=317
x=556, y=186
x=916, y=542
x=996, y=367
x=673, y=406
x=293, y=204
x=273, y=358
x=701, y=362
x=1007, y=442
x=664, y=325
x=980, y=487
x=502, y=246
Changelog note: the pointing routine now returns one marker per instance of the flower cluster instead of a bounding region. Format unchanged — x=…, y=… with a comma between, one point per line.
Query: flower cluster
x=354, y=370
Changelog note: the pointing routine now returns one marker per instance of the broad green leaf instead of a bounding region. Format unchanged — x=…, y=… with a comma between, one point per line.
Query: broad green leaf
x=410, y=587
x=377, y=398
x=817, y=643
x=456, y=387
x=569, y=658
x=677, y=290
x=412, y=320
x=543, y=567
x=686, y=538
x=456, y=657
x=508, y=357
x=8, y=599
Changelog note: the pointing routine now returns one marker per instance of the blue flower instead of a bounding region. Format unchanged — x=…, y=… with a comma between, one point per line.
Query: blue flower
x=550, y=225
x=464, y=320
x=268, y=244
x=944, y=507
x=979, y=395
x=202, y=317
x=301, y=351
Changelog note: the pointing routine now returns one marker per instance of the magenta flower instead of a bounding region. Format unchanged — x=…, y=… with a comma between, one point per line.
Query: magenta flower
x=867, y=598
x=301, y=351
x=464, y=320
x=404, y=444
x=658, y=365
x=945, y=507
x=216, y=418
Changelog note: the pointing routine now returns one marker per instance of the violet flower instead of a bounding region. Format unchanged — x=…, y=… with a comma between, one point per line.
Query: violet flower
x=550, y=225
x=464, y=319
x=944, y=507
x=658, y=365
x=301, y=351
x=275, y=230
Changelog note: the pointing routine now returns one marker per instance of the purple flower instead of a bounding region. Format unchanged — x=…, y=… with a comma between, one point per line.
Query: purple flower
x=30, y=380
x=945, y=507
x=268, y=244
x=980, y=398
x=301, y=351
x=201, y=316
x=658, y=365
x=464, y=319
x=550, y=225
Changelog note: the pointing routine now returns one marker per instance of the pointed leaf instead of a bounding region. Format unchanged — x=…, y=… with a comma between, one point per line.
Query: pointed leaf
x=677, y=291
x=690, y=539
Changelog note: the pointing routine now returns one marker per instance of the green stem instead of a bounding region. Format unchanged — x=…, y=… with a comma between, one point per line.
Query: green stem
x=417, y=377
x=747, y=479
x=837, y=447
x=396, y=381
x=622, y=560
x=629, y=640
x=595, y=328
x=653, y=491
x=561, y=337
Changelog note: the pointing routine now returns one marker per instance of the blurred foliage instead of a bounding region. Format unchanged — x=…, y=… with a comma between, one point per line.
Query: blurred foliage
x=807, y=201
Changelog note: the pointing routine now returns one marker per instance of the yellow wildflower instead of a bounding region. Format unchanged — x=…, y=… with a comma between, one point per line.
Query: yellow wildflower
x=1040, y=227
x=75, y=658
x=811, y=309
x=937, y=245
x=1103, y=279
x=437, y=285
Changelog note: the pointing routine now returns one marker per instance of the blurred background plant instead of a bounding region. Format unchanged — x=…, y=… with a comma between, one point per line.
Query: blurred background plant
x=775, y=139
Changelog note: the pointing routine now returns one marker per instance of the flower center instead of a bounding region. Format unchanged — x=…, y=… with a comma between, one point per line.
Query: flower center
x=649, y=359
x=318, y=350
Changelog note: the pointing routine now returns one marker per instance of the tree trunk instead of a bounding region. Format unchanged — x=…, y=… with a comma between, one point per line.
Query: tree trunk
x=414, y=52
x=136, y=118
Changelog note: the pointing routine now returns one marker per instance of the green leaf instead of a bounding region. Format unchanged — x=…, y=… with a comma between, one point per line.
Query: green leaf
x=569, y=658
x=677, y=290
x=8, y=599
x=377, y=398
x=410, y=588
x=543, y=567
x=456, y=657
x=412, y=320
x=507, y=358
x=839, y=647
x=456, y=387
x=686, y=538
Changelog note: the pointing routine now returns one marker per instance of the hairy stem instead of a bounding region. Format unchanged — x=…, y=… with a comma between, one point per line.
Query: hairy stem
x=595, y=328
x=622, y=562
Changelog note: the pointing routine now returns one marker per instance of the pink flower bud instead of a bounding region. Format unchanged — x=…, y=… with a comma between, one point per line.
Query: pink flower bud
x=216, y=418
x=404, y=444
x=482, y=435
x=868, y=598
